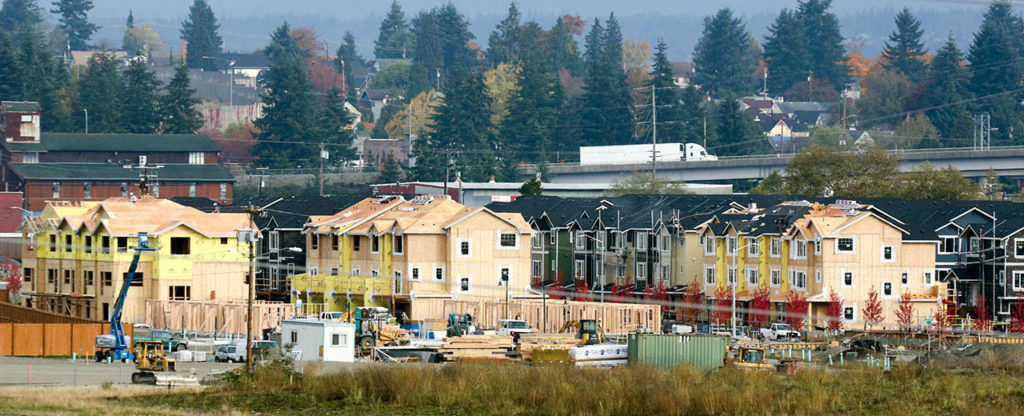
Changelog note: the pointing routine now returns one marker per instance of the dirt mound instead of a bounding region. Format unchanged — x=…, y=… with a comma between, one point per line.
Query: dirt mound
x=976, y=356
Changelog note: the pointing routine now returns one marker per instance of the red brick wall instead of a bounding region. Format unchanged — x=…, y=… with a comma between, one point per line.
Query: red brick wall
x=38, y=192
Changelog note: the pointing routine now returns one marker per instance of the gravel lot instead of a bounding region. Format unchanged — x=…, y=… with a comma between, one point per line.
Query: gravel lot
x=20, y=371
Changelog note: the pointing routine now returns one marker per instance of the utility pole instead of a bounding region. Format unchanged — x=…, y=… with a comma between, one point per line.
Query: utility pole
x=250, y=236
x=86, y=120
x=983, y=131
x=654, y=135
x=323, y=156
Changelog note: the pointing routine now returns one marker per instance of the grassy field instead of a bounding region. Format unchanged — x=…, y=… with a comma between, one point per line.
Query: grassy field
x=517, y=390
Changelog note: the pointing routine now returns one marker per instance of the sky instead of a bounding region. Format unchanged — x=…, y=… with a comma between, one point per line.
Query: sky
x=246, y=24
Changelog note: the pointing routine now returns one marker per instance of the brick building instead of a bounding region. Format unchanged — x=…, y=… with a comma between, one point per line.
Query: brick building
x=94, y=167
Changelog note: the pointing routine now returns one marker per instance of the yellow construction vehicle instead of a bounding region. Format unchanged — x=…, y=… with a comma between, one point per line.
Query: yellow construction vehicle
x=150, y=358
x=752, y=358
x=588, y=331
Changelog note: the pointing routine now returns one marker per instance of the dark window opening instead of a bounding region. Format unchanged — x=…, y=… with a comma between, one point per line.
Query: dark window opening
x=106, y=244
x=67, y=243
x=334, y=242
x=180, y=245
x=122, y=244
x=88, y=244
x=355, y=243
x=179, y=292
x=136, y=279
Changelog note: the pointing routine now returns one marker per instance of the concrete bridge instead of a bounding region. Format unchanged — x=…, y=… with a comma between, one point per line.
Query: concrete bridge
x=1006, y=161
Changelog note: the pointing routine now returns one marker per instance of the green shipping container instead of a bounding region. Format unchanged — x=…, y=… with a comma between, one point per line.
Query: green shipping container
x=667, y=351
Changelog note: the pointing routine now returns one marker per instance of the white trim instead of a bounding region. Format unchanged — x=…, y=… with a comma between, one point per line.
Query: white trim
x=504, y=266
x=892, y=254
x=905, y=278
x=942, y=243
x=732, y=244
x=469, y=284
x=772, y=247
x=868, y=214
x=928, y=278
x=640, y=240
x=415, y=272
x=892, y=290
x=709, y=249
x=435, y=268
x=794, y=249
x=641, y=267
x=772, y=275
x=818, y=242
x=754, y=247
x=817, y=275
x=469, y=247
x=710, y=275
x=1017, y=241
x=515, y=234
x=853, y=309
x=842, y=278
x=752, y=272
x=1017, y=281
x=396, y=237
x=853, y=242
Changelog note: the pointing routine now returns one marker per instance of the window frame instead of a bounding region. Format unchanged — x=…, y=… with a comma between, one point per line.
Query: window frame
x=853, y=245
x=892, y=254
x=710, y=275
x=640, y=240
x=501, y=240
x=439, y=274
x=888, y=287
x=1018, y=247
x=775, y=247
x=398, y=244
x=928, y=278
x=731, y=245
x=754, y=247
x=175, y=246
x=709, y=245
x=775, y=276
x=468, y=252
x=853, y=279
x=753, y=277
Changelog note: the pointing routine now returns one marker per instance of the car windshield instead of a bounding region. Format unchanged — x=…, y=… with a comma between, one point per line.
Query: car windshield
x=265, y=344
x=516, y=325
x=781, y=326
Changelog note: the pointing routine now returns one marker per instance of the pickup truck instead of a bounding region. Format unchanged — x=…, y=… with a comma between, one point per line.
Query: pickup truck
x=513, y=326
x=779, y=331
x=171, y=342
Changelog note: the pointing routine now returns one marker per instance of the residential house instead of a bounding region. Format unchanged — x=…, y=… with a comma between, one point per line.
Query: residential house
x=78, y=255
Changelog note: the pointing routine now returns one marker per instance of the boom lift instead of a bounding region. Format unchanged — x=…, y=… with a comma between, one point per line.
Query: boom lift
x=114, y=346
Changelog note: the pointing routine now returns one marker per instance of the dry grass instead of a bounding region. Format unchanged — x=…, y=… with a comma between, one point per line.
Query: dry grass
x=518, y=390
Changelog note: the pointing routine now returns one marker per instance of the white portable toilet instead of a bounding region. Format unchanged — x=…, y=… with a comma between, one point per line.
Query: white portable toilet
x=317, y=340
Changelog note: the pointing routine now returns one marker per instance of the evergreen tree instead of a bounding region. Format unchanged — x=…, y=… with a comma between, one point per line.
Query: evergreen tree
x=288, y=126
x=563, y=53
x=390, y=170
x=100, y=92
x=441, y=42
x=805, y=44
x=9, y=85
x=692, y=116
x=129, y=42
x=670, y=123
x=721, y=56
x=606, y=109
x=620, y=98
x=37, y=76
x=347, y=58
x=200, y=32
x=17, y=16
x=461, y=128
x=179, y=105
x=996, y=67
x=736, y=133
x=503, y=45
x=533, y=122
x=394, y=40
x=948, y=93
x=141, y=101
x=784, y=55
x=75, y=22
x=333, y=126
x=904, y=52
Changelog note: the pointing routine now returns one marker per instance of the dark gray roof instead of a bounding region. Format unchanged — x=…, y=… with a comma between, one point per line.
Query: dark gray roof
x=117, y=142
x=115, y=172
x=291, y=212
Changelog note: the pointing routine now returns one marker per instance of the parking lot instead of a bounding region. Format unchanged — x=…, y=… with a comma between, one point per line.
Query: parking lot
x=19, y=371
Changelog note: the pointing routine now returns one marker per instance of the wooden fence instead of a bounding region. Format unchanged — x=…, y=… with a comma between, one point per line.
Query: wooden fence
x=214, y=316
x=20, y=314
x=614, y=317
x=52, y=339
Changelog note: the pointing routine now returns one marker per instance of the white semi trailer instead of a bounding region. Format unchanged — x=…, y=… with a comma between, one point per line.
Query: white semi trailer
x=641, y=153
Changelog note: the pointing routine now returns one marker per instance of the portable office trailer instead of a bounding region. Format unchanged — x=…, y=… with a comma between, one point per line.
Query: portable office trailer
x=316, y=340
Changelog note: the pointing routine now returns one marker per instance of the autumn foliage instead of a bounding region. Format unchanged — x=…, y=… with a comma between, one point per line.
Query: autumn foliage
x=722, y=311
x=796, y=310
x=760, y=306
x=904, y=311
x=693, y=303
x=982, y=318
x=834, y=312
x=1017, y=318
x=873, y=309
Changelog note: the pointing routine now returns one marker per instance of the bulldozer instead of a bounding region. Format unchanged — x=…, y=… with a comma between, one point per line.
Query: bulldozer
x=588, y=331
x=150, y=358
x=751, y=358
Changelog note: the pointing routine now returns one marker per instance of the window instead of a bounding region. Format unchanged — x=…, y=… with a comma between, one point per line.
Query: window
x=537, y=241
x=89, y=278
x=223, y=191
x=180, y=245
x=886, y=289
x=335, y=271
x=355, y=242
x=108, y=278
x=776, y=278
x=775, y=249
x=67, y=243
x=53, y=243
x=948, y=245
x=192, y=189
x=508, y=240
x=847, y=279
x=414, y=273
x=731, y=276
x=51, y=276
x=580, y=241
x=295, y=337
x=754, y=248
x=399, y=244
x=87, y=190
x=579, y=271
x=179, y=292
x=122, y=244
x=273, y=243
x=56, y=190
x=817, y=276
x=196, y=158
x=1002, y=278
x=620, y=271
x=30, y=157
x=552, y=238
x=848, y=314
x=844, y=245
x=374, y=273
x=973, y=247
x=552, y=265
x=334, y=242
x=904, y=278
x=67, y=277
x=137, y=279
x=1018, y=280
x=887, y=254
x=799, y=279
x=641, y=271
x=801, y=249
x=464, y=284
x=641, y=241
x=654, y=242
x=709, y=275
x=666, y=242
x=537, y=266
x=730, y=246
x=503, y=276
x=88, y=244
x=709, y=245
x=105, y=244
x=1018, y=247
x=375, y=244
x=27, y=275
x=752, y=277
x=336, y=339
x=314, y=241
x=817, y=245
x=927, y=277
x=439, y=273
x=464, y=248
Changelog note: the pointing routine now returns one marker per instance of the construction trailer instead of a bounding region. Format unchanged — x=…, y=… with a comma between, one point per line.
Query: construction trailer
x=319, y=340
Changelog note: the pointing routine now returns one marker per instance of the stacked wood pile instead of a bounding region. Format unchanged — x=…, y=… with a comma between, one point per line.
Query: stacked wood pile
x=531, y=342
x=477, y=347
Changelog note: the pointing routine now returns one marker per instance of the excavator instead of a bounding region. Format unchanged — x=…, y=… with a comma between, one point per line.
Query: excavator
x=588, y=331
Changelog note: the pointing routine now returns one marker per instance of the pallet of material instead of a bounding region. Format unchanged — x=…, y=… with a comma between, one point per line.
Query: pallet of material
x=547, y=339
x=477, y=347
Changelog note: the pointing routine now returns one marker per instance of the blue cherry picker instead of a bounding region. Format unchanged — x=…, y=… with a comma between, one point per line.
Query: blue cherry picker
x=115, y=346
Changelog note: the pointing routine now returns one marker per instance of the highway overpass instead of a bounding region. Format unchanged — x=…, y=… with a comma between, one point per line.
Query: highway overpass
x=1007, y=161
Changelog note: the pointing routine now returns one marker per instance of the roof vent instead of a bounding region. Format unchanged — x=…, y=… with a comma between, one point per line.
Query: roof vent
x=385, y=199
x=845, y=204
x=423, y=199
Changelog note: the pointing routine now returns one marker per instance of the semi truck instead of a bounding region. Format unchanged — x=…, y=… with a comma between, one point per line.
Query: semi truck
x=641, y=153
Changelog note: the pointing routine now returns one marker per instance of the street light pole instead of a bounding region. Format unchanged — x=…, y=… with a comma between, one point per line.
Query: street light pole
x=251, y=237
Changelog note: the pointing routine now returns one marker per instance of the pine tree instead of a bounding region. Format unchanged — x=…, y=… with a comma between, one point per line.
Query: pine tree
x=736, y=133
x=178, y=108
x=784, y=53
x=904, y=52
x=563, y=53
x=533, y=122
x=141, y=103
x=390, y=170
x=606, y=104
x=9, y=84
x=461, y=128
x=441, y=42
x=347, y=58
x=75, y=22
x=503, y=45
x=996, y=68
x=17, y=16
x=806, y=44
x=37, y=76
x=100, y=92
x=394, y=40
x=288, y=126
x=670, y=122
x=129, y=41
x=200, y=32
x=620, y=98
x=947, y=92
x=721, y=56
x=333, y=126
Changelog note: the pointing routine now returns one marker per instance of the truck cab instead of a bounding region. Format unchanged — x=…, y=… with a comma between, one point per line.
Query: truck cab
x=513, y=326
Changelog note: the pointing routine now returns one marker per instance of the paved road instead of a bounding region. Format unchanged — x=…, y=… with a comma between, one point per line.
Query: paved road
x=20, y=371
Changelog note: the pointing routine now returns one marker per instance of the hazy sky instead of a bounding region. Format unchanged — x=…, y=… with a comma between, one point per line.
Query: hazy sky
x=246, y=24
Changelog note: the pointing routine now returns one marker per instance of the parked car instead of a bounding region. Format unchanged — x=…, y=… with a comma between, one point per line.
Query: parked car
x=780, y=332
x=171, y=341
x=261, y=350
x=227, y=354
x=513, y=326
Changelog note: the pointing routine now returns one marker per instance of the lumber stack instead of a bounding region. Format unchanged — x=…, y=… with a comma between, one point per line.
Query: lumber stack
x=531, y=342
x=477, y=347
